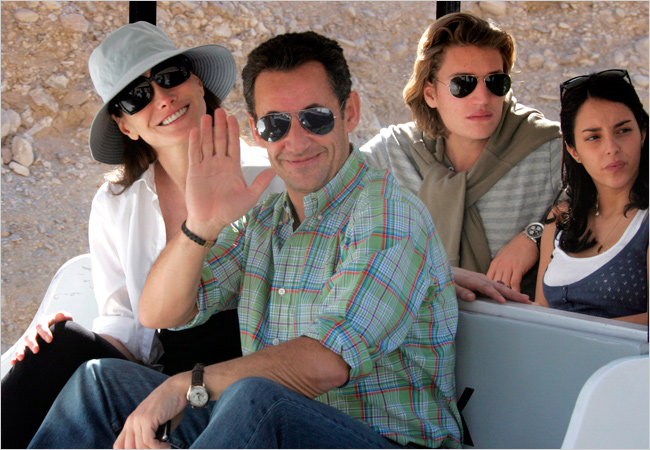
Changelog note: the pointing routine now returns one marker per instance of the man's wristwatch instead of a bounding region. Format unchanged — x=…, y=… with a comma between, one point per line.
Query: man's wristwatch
x=533, y=231
x=197, y=394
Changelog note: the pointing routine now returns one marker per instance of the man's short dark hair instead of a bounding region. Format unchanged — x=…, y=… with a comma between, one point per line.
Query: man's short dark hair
x=289, y=51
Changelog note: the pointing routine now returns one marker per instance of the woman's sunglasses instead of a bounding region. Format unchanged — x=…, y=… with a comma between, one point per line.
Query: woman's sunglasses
x=582, y=79
x=273, y=127
x=139, y=92
x=463, y=85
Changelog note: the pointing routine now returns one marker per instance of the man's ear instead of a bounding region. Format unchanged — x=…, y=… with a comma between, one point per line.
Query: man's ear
x=574, y=154
x=352, y=111
x=124, y=128
x=430, y=95
x=258, y=140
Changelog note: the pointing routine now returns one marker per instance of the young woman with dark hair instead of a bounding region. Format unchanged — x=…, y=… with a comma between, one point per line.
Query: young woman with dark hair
x=594, y=253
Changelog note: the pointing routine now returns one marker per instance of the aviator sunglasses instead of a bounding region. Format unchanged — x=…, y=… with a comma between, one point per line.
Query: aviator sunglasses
x=318, y=120
x=582, y=79
x=462, y=85
x=139, y=92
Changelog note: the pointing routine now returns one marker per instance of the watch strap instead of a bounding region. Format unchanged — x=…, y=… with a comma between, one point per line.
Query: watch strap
x=197, y=374
x=202, y=242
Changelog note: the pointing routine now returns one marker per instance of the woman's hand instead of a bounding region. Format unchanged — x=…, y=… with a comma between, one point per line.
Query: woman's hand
x=42, y=329
x=468, y=282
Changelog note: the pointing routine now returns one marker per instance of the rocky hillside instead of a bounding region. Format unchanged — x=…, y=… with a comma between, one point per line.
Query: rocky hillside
x=48, y=101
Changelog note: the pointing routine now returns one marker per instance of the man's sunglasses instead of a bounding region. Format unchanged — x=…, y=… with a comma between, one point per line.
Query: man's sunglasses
x=463, y=85
x=273, y=127
x=582, y=79
x=139, y=92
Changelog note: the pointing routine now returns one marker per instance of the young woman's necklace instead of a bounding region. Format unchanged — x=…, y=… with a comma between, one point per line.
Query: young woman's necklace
x=611, y=230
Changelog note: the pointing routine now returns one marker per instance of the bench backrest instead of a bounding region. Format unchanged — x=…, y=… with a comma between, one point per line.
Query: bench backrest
x=526, y=366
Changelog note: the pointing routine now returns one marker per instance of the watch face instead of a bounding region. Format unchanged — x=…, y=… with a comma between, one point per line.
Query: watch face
x=535, y=230
x=198, y=396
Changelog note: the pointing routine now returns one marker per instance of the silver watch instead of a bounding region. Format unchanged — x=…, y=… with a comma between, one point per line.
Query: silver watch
x=197, y=395
x=533, y=231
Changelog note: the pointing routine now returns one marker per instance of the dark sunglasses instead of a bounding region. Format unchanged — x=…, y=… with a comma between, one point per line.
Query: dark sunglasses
x=463, y=85
x=582, y=79
x=139, y=92
x=318, y=120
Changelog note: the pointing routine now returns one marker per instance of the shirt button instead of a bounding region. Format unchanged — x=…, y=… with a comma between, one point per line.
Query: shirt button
x=282, y=291
x=276, y=341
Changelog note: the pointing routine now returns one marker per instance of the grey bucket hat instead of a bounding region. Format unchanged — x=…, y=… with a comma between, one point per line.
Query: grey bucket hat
x=127, y=53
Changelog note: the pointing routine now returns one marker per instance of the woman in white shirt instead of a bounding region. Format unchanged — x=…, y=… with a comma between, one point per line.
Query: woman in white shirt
x=154, y=94
x=594, y=253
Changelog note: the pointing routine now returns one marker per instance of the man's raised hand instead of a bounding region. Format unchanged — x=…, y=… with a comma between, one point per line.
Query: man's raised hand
x=215, y=191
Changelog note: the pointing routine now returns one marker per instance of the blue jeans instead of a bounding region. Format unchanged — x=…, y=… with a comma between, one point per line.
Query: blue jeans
x=251, y=413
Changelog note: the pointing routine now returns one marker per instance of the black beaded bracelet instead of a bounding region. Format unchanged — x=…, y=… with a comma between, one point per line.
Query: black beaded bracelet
x=202, y=242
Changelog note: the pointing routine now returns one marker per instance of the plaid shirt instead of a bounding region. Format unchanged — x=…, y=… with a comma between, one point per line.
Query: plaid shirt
x=364, y=274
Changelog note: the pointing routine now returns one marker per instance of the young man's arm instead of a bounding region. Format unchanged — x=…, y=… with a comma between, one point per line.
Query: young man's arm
x=513, y=261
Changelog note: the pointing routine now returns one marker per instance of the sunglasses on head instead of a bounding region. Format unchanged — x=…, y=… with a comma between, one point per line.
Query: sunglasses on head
x=462, y=85
x=318, y=120
x=139, y=92
x=582, y=79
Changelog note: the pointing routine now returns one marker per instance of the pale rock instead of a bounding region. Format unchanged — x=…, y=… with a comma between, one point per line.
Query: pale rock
x=495, y=8
x=536, y=61
x=564, y=26
x=57, y=81
x=280, y=29
x=52, y=6
x=75, y=22
x=6, y=155
x=349, y=11
x=619, y=59
x=620, y=13
x=177, y=8
x=22, y=151
x=162, y=15
x=191, y=5
x=640, y=81
x=181, y=25
x=236, y=43
x=42, y=98
x=641, y=47
x=223, y=30
x=75, y=98
x=26, y=15
x=261, y=29
x=43, y=123
x=19, y=169
x=399, y=49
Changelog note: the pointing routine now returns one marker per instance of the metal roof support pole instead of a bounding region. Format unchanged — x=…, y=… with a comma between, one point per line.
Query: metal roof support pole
x=142, y=11
x=443, y=8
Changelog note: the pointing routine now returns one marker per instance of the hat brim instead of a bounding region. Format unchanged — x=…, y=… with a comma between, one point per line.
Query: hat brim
x=213, y=64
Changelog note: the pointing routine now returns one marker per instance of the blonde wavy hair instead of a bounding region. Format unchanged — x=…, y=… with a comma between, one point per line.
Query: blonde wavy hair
x=457, y=29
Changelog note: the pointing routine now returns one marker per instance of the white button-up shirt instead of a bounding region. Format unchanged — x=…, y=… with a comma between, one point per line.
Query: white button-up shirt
x=126, y=235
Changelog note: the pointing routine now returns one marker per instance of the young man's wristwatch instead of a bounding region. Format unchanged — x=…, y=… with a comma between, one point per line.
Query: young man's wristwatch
x=197, y=395
x=533, y=231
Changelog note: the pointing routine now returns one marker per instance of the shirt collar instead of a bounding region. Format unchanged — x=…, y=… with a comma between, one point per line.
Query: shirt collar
x=346, y=179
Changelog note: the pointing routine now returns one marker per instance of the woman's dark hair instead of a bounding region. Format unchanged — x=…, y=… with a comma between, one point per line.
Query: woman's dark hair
x=577, y=184
x=290, y=51
x=138, y=155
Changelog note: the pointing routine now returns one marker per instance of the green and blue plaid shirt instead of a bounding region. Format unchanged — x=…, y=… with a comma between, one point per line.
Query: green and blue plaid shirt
x=364, y=274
